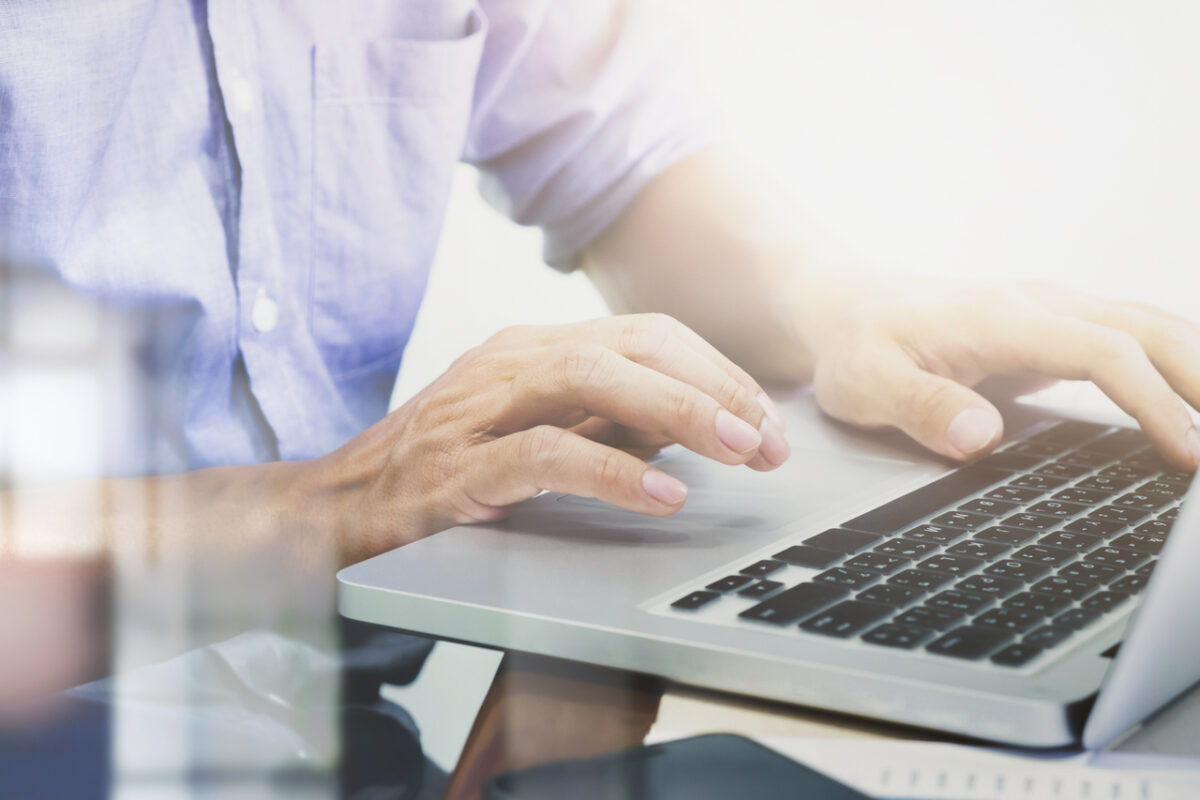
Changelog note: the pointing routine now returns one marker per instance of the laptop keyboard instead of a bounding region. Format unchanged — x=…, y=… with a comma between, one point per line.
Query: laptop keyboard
x=1004, y=559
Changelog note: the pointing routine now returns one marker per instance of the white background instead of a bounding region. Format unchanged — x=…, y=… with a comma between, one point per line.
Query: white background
x=1047, y=138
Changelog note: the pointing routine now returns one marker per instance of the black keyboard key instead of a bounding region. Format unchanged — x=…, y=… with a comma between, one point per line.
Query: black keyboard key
x=1037, y=449
x=903, y=637
x=760, y=589
x=1041, y=554
x=1098, y=527
x=1103, y=602
x=961, y=519
x=1116, y=557
x=1044, y=482
x=1144, y=500
x=1005, y=535
x=977, y=548
x=989, y=506
x=1142, y=542
x=1031, y=522
x=922, y=579
x=1169, y=488
x=959, y=601
x=1073, y=494
x=1057, y=508
x=1024, y=571
x=906, y=510
x=846, y=618
x=1127, y=472
x=955, y=565
x=695, y=600
x=1145, y=569
x=804, y=556
x=790, y=605
x=1130, y=584
x=845, y=576
x=1063, y=469
x=886, y=593
x=1015, y=494
x=1169, y=515
x=760, y=568
x=1089, y=571
x=1007, y=619
x=1064, y=587
x=878, y=562
x=1070, y=433
x=1177, y=477
x=729, y=584
x=1102, y=483
x=989, y=585
x=1076, y=618
x=1118, y=513
x=1086, y=459
x=1048, y=636
x=968, y=642
x=1017, y=655
x=905, y=548
x=1155, y=527
x=842, y=541
x=1148, y=459
x=934, y=534
x=1119, y=443
x=1012, y=462
x=1037, y=603
x=1068, y=540
x=935, y=618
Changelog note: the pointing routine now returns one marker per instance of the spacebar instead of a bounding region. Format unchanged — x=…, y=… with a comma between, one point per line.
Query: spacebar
x=913, y=506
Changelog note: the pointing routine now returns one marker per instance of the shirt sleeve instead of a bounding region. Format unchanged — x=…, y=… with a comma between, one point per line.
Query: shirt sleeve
x=578, y=104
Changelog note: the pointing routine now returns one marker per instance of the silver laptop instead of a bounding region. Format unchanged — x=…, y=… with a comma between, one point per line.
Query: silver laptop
x=993, y=600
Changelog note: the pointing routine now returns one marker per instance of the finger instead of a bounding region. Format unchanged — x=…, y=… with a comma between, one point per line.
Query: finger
x=1171, y=342
x=605, y=384
x=519, y=466
x=937, y=412
x=610, y=433
x=641, y=337
x=1116, y=362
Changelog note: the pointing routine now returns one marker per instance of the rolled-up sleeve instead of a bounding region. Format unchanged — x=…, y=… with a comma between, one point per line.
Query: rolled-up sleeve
x=578, y=104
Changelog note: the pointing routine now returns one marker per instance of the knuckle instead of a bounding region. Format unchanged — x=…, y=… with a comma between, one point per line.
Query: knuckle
x=685, y=406
x=609, y=469
x=509, y=335
x=1115, y=348
x=586, y=365
x=647, y=336
x=738, y=399
x=927, y=402
x=539, y=446
x=1179, y=335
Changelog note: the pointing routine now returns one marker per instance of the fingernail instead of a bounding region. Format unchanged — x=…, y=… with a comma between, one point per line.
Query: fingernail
x=772, y=411
x=1193, y=446
x=972, y=430
x=736, y=434
x=663, y=488
x=774, y=447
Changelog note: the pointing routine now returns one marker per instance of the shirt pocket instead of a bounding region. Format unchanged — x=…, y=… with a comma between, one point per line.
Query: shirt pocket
x=390, y=120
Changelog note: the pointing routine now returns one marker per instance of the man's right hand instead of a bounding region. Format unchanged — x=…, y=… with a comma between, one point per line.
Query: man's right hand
x=550, y=408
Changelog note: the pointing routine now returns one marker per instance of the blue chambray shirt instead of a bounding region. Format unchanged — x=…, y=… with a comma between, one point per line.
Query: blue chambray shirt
x=257, y=186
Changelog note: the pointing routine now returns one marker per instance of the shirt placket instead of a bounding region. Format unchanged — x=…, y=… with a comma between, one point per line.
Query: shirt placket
x=264, y=320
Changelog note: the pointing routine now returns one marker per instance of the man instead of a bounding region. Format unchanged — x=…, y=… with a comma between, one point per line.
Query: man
x=255, y=189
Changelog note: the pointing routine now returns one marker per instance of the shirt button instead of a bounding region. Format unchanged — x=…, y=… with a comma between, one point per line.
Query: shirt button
x=241, y=95
x=265, y=314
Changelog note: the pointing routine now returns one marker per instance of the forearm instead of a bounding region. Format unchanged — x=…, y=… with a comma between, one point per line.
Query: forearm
x=717, y=245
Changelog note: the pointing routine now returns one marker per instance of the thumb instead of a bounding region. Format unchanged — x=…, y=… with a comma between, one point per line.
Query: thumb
x=946, y=416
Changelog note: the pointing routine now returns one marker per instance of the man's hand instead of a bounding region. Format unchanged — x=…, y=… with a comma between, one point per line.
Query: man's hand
x=550, y=408
x=905, y=353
